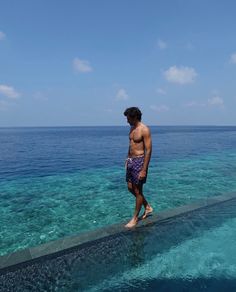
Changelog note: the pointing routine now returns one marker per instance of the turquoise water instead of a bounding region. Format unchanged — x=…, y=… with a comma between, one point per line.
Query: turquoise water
x=56, y=182
x=208, y=257
x=194, y=251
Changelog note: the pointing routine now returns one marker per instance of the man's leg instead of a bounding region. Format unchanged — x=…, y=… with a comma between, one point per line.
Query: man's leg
x=137, y=191
x=131, y=189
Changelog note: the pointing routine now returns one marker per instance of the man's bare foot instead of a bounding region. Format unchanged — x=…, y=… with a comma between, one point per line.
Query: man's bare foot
x=132, y=223
x=147, y=212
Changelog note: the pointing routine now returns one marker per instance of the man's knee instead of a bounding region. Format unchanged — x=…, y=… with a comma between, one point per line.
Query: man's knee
x=137, y=190
x=130, y=189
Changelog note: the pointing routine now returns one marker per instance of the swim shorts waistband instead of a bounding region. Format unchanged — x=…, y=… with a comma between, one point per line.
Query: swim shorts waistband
x=133, y=157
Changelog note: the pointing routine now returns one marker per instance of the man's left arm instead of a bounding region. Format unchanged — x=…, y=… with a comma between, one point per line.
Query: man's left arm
x=148, y=152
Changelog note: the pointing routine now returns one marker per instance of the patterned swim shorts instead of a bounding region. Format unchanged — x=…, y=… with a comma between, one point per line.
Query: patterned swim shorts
x=134, y=166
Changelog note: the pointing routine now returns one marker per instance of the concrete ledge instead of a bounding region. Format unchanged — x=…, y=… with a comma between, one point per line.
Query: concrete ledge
x=50, y=249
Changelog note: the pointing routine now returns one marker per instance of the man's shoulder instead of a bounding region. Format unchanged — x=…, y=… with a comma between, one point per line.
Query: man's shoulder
x=145, y=129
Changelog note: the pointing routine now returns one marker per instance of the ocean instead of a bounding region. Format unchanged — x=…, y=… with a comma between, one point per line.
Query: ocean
x=55, y=182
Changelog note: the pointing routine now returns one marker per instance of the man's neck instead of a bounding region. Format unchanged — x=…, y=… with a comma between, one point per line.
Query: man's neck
x=136, y=124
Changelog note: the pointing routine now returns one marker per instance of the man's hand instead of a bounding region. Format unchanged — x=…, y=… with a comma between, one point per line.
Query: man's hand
x=142, y=174
x=126, y=161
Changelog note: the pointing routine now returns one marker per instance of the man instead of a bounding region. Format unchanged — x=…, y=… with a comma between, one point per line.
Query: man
x=139, y=154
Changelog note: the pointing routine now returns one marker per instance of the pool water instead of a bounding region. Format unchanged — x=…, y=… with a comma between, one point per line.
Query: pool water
x=206, y=260
x=192, y=251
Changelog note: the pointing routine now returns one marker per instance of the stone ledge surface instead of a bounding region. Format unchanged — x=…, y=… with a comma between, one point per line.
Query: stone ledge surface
x=13, y=260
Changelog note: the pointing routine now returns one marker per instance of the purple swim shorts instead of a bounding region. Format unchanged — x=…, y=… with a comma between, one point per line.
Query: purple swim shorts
x=134, y=166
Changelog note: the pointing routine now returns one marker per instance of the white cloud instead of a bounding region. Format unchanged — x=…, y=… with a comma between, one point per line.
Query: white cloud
x=161, y=44
x=8, y=91
x=233, y=58
x=194, y=104
x=82, y=65
x=159, y=109
x=181, y=75
x=216, y=101
x=161, y=91
x=122, y=94
x=2, y=35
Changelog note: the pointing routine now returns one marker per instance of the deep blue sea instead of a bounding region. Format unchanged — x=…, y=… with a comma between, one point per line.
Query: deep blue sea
x=56, y=182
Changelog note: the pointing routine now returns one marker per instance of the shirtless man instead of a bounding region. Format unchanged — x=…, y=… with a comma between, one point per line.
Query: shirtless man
x=139, y=154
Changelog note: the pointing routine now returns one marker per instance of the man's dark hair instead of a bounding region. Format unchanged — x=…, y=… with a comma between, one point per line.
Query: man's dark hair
x=133, y=112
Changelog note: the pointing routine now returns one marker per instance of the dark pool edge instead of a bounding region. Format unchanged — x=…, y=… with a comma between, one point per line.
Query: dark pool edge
x=12, y=260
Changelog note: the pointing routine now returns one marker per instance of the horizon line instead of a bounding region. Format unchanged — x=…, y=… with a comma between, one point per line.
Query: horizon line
x=76, y=126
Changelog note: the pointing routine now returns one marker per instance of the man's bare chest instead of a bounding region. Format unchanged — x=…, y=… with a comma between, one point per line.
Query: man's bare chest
x=135, y=136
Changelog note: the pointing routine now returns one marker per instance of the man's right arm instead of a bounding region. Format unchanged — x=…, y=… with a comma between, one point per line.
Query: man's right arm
x=127, y=158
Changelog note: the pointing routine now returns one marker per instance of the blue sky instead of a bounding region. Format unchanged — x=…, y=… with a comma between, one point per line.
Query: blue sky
x=76, y=63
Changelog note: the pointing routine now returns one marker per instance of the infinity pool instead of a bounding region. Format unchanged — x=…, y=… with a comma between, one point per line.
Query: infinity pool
x=192, y=251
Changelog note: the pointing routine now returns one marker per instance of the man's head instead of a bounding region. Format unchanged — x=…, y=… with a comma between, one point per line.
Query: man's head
x=133, y=115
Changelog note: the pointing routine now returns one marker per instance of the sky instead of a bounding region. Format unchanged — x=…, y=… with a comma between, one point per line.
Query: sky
x=83, y=62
